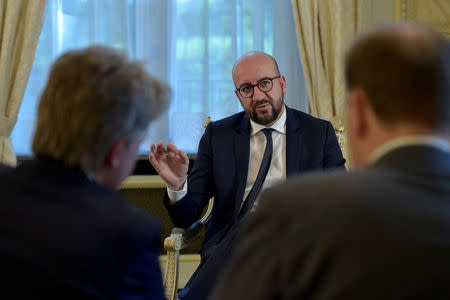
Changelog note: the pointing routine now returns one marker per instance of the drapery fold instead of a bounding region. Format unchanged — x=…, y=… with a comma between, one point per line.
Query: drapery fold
x=324, y=31
x=20, y=26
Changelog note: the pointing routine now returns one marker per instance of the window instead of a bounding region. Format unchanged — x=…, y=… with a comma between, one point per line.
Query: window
x=190, y=44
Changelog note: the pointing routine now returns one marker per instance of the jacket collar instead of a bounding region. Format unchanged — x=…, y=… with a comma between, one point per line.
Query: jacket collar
x=424, y=159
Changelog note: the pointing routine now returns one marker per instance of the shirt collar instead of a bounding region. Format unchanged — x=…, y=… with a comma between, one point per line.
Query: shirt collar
x=416, y=140
x=279, y=125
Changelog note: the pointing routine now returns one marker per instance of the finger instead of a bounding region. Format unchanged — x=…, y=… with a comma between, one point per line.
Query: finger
x=183, y=156
x=154, y=162
x=172, y=151
x=171, y=147
x=153, y=152
x=160, y=147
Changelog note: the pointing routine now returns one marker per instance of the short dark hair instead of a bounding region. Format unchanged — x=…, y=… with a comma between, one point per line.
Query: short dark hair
x=93, y=98
x=405, y=71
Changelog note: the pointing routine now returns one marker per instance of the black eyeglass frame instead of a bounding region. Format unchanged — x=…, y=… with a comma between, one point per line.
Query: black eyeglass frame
x=257, y=85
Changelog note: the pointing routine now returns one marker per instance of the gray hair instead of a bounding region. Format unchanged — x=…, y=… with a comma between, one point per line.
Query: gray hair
x=93, y=98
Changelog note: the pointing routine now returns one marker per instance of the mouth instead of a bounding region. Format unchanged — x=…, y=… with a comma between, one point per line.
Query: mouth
x=262, y=106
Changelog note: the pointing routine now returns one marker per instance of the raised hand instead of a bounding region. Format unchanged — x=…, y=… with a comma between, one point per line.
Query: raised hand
x=170, y=163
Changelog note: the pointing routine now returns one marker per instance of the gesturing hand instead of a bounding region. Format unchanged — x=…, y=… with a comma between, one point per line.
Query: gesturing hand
x=170, y=163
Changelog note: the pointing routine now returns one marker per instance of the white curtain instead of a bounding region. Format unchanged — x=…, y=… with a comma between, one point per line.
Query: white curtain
x=191, y=44
x=20, y=24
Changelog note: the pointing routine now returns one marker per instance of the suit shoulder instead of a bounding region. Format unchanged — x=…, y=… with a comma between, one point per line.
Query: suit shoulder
x=309, y=119
x=307, y=191
x=229, y=122
x=139, y=218
x=139, y=227
x=7, y=175
x=117, y=210
x=5, y=169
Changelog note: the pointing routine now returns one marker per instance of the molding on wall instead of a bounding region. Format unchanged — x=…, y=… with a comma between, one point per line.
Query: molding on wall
x=143, y=181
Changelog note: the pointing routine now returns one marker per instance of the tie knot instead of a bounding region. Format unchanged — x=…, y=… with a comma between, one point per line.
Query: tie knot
x=267, y=132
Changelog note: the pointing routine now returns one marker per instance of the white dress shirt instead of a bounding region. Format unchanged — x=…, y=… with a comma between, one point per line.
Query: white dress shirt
x=277, y=168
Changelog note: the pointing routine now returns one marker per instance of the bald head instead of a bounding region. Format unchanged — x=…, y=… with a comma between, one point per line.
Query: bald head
x=253, y=58
x=404, y=69
x=257, y=74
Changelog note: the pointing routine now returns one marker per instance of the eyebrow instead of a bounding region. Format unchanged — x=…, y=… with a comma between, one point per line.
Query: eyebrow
x=249, y=83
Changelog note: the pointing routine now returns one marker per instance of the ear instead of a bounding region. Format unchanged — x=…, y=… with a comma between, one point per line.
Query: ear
x=239, y=97
x=283, y=83
x=114, y=156
x=358, y=113
x=237, y=94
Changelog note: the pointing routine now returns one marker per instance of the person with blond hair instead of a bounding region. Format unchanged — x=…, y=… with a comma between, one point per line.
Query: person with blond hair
x=65, y=232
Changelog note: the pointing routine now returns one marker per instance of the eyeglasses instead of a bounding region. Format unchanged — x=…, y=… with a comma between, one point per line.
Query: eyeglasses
x=264, y=85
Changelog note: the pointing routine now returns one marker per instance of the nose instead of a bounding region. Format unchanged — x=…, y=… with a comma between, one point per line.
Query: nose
x=257, y=94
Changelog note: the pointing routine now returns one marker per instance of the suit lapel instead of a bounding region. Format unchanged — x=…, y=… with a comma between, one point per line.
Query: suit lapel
x=242, y=153
x=294, y=138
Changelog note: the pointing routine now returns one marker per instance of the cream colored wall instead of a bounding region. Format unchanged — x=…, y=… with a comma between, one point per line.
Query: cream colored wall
x=378, y=12
x=435, y=13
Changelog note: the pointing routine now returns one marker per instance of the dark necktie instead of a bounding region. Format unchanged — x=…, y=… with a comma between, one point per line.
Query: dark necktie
x=265, y=164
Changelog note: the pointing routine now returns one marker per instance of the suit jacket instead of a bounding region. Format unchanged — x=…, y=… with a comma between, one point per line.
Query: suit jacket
x=221, y=166
x=377, y=233
x=62, y=236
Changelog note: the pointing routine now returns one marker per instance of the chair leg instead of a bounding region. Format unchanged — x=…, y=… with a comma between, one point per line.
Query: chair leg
x=171, y=276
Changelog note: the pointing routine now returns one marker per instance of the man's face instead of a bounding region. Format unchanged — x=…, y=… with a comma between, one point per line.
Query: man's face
x=125, y=162
x=262, y=107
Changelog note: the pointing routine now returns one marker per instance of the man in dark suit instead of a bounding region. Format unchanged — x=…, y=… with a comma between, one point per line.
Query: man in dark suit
x=380, y=232
x=229, y=157
x=65, y=232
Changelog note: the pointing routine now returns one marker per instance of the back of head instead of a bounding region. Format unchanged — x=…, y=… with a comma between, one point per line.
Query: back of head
x=405, y=71
x=93, y=98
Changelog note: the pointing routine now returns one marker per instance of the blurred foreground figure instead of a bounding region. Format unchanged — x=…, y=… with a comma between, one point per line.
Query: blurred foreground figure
x=64, y=232
x=381, y=231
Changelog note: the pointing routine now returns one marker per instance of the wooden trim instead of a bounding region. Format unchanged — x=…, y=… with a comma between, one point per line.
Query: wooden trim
x=143, y=181
x=398, y=10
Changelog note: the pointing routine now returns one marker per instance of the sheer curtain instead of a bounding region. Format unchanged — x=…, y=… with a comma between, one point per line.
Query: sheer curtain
x=191, y=44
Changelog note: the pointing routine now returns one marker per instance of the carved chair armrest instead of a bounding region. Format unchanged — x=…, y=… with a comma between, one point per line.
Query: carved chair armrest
x=189, y=234
x=180, y=239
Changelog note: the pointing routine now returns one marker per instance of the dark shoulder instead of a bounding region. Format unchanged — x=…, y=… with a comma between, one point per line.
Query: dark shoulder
x=306, y=119
x=5, y=169
x=321, y=192
x=229, y=122
x=134, y=229
x=119, y=215
x=6, y=174
x=135, y=217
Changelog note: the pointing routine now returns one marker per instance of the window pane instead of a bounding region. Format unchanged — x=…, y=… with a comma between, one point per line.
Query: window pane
x=191, y=44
